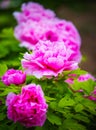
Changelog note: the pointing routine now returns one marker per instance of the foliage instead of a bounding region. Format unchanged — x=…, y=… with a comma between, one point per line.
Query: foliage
x=67, y=109
x=9, y=49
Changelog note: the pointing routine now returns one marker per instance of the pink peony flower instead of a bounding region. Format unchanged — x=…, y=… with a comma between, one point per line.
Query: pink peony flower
x=85, y=77
x=92, y=95
x=13, y=76
x=81, y=78
x=30, y=33
x=48, y=59
x=28, y=108
x=34, y=12
x=56, y=30
x=37, y=23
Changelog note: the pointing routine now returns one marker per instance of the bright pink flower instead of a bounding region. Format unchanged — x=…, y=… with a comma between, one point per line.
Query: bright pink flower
x=34, y=12
x=31, y=32
x=85, y=77
x=13, y=76
x=48, y=59
x=29, y=108
x=56, y=30
x=37, y=23
x=92, y=95
x=69, y=80
x=81, y=78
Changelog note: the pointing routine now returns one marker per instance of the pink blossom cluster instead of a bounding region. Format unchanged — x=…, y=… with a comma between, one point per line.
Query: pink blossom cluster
x=85, y=77
x=37, y=23
x=48, y=59
x=13, y=76
x=29, y=108
x=33, y=11
x=81, y=78
x=30, y=32
x=46, y=28
x=55, y=45
x=93, y=95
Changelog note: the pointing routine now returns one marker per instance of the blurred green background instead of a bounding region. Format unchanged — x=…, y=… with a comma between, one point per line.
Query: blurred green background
x=81, y=13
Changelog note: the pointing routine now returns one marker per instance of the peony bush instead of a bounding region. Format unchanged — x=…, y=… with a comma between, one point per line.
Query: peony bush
x=29, y=108
x=13, y=76
x=43, y=88
x=49, y=59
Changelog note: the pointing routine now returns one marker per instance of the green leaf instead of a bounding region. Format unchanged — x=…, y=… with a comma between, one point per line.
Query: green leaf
x=79, y=107
x=39, y=128
x=9, y=48
x=19, y=127
x=2, y=85
x=13, y=126
x=49, y=99
x=28, y=79
x=12, y=88
x=78, y=97
x=53, y=105
x=66, y=101
x=2, y=116
x=61, y=86
x=3, y=51
x=89, y=106
x=67, y=113
x=70, y=124
x=8, y=31
x=78, y=71
x=4, y=127
x=3, y=69
x=81, y=118
x=54, y=119
x=87, y=86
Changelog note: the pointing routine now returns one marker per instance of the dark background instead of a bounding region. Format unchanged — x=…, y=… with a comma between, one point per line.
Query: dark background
x=81, y=13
